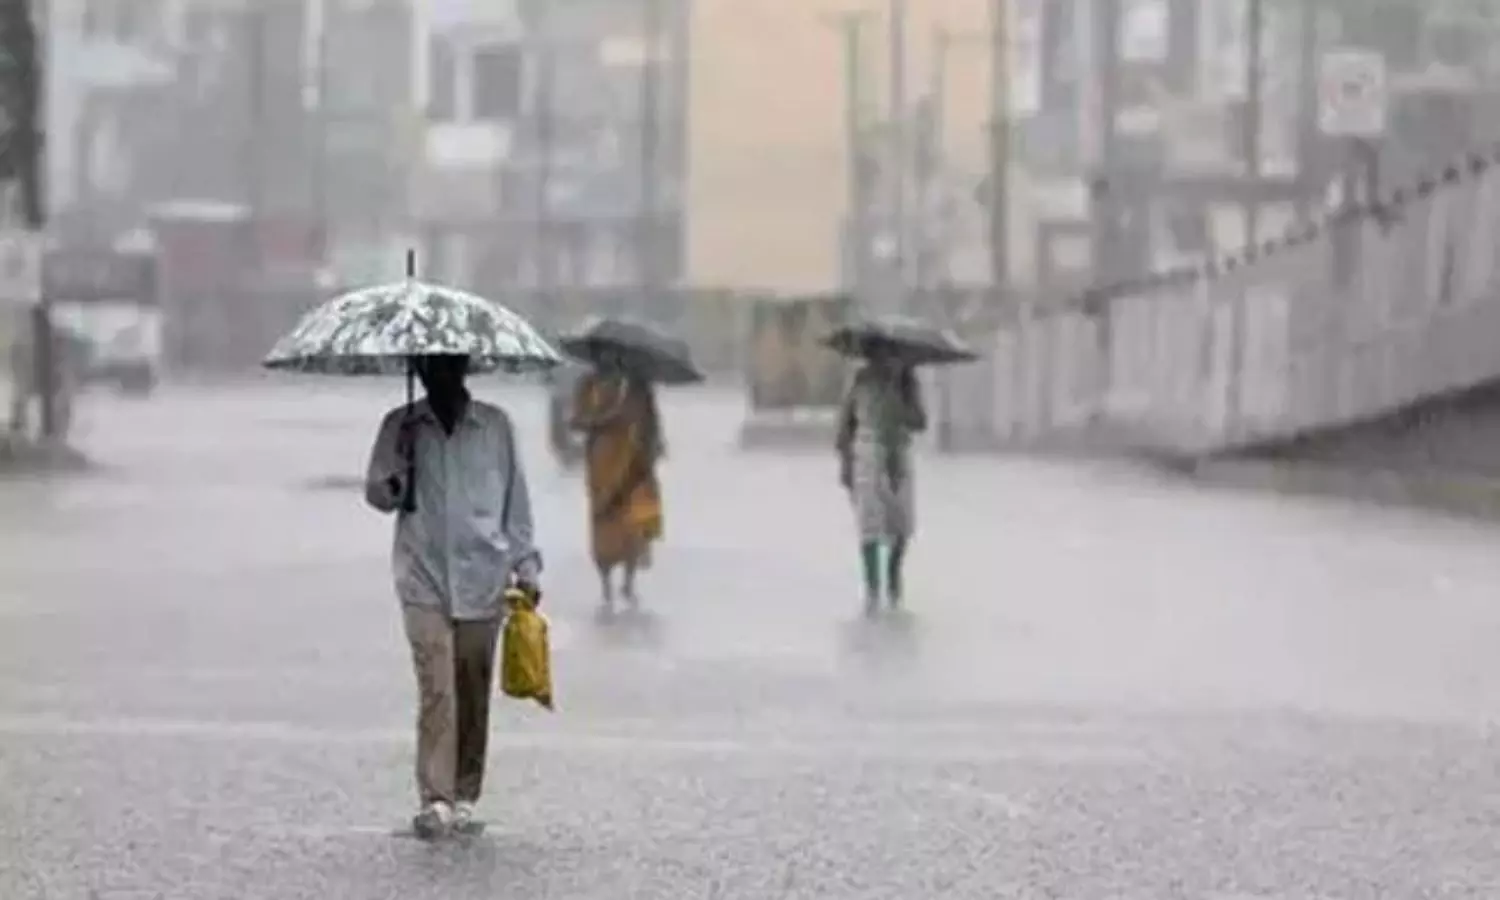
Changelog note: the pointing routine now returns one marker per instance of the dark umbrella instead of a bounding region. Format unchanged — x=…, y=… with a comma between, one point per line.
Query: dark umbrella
x=641, y=349
x=912, y=340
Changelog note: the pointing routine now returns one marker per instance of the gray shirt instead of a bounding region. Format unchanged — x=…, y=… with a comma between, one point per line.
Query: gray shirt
x=472, y=529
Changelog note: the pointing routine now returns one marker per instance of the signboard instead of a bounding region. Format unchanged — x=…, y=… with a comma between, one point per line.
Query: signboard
x=1352, y=93
x=789, y=366
x=1143, y=31
x=20, y=267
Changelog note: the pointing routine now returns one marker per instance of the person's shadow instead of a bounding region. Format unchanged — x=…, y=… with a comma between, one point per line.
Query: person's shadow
x=887, y=642
x=627, y=628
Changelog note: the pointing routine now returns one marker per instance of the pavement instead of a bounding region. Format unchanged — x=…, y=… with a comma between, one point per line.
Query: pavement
x=1110, y=685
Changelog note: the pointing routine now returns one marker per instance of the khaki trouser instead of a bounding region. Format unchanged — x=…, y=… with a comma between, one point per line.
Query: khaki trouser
x=455, y=666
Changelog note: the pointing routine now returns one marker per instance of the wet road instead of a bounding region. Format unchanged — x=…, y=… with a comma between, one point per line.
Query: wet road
x=1110, y=687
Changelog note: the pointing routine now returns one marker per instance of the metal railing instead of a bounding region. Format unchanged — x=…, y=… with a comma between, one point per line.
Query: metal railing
x=1360, y=314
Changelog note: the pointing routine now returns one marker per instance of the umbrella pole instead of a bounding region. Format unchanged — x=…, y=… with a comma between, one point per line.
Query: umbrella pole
x=409, y=496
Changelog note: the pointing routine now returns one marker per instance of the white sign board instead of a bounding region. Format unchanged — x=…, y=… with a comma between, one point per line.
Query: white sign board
x=1025, y=32
x=1143, y=31
x=20, y=267
x=1352, y=93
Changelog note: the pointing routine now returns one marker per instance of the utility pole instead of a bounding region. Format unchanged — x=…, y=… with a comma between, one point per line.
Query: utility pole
x=648, y=262
x=1308, y=167
x=1254, y=28
x=930, y=249
x=24, y=36
x=999, y=176
x=544, y=114
x=1254, y=34
x=851, y=26
x=326, y=19
x=936, y=295
x=900, y=156
x=1104, y=196
x=254, y=18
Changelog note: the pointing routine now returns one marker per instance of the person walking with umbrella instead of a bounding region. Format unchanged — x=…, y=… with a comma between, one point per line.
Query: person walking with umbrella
x=881, y=412
x=447, y=467
x=615, y=407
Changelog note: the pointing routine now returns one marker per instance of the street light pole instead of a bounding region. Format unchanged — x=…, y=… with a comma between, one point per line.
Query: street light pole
x=900, y=157
x=255, y=19
x=1307, y=112
x=544, y=113
x=851, y=25
x=1254, y=26
x=999, y=175
x=1104, y=199
x=931, y=249
x=32, y=171
x=647, y=263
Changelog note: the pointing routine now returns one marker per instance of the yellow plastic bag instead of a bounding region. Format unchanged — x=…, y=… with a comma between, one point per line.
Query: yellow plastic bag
x=525, y=656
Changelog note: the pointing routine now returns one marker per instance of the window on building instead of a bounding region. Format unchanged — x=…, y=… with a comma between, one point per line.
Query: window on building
x=497, y=82
x=442, y=82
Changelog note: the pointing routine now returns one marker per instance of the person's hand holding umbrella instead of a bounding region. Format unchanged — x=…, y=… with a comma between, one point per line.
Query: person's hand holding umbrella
x=403, y=482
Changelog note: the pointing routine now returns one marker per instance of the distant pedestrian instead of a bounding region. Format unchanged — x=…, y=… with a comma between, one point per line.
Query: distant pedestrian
x=882, y=410
x=617, y=412
x=69, y=364
x=447, y=466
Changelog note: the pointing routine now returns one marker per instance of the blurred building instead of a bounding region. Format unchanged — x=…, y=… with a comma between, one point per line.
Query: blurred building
x=214, y=110
x=365, y=89
x=1176, y=169
x=106, y=58
x=584, y=145
x=496, y=139
x=469, y=86
x=769, y=171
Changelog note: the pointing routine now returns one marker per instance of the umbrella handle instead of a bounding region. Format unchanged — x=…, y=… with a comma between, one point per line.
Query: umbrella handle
x=409, y=489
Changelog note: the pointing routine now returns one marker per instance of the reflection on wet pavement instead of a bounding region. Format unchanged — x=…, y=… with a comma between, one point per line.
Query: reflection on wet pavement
x=1104, y=686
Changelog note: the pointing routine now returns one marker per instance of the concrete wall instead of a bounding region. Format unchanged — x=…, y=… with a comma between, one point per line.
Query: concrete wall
x=1458, y=434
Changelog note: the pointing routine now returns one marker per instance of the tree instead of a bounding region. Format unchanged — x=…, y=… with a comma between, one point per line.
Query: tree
x=20, y=105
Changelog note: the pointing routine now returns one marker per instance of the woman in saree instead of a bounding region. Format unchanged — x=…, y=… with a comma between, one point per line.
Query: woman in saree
x=882, y=410
x=617, y=413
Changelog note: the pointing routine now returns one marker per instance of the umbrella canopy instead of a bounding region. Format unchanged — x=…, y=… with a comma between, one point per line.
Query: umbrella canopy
x=912, y=340
x=641, y=349
x=373, y=331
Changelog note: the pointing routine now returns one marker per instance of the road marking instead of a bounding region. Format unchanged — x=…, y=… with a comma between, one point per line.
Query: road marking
x=995, y=748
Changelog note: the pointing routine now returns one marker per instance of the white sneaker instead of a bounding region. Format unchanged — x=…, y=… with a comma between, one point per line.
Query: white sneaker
x=463, y=815
x=434, y=821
